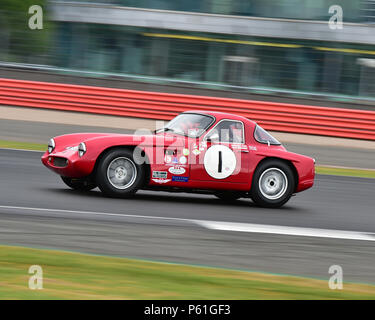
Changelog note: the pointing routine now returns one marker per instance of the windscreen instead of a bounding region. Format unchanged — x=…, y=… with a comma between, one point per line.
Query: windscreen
x=189, y=124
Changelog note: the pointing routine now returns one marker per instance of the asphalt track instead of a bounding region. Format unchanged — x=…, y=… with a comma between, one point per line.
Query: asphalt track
x=36, y=209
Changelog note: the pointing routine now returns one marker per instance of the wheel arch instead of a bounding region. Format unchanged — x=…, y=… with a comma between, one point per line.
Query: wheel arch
x=288, y=163
x=127, y=147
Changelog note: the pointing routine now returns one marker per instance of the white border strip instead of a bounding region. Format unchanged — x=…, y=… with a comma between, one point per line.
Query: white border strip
x=93, y=213
x=285, y=230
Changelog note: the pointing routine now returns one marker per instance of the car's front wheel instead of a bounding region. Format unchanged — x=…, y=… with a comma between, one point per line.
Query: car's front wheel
x=83, y=184
x=273, y=184
x=118, y=175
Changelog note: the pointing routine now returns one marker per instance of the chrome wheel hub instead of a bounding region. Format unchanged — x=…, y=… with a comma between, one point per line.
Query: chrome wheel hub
x=121, y=173
x=273, y=183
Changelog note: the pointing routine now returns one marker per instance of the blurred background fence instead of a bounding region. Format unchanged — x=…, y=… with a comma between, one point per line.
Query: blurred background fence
x=260, y=46
x=336, y=122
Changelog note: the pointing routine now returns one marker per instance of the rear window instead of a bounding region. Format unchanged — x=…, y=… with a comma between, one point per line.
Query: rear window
x=263, y=136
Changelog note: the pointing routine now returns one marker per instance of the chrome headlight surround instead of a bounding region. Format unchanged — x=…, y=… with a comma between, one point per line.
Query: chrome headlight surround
x=81, y=149
x=51, y=145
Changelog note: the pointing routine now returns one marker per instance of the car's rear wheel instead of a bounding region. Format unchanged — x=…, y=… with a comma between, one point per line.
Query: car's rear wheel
x=83, y=184
x=118, y=175
x=229, y=196
x=273, y=184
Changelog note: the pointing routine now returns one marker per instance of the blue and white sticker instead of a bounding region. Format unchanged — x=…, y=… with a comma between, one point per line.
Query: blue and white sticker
x=180, y=179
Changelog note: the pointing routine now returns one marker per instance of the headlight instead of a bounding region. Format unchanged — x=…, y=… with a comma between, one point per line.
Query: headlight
x=51, y=145
x=81, y=149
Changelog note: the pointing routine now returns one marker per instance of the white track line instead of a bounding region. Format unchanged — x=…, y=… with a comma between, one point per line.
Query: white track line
x=56, y=211
x=228, y=226
x=290, y=231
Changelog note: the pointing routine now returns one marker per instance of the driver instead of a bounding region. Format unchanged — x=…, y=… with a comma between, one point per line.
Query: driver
x=190, y=128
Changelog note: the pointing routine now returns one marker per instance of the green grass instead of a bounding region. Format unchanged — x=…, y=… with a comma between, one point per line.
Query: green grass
x=345, y=172
x=22, y=145
x=319, y=169
x=80, y=276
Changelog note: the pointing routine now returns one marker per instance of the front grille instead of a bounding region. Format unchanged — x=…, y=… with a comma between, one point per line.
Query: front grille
x=60, y=162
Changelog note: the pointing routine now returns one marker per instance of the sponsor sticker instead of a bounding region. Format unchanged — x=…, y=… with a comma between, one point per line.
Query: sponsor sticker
x=196, y=152
x=167, y=159
x=185, y=152
x=161, y=180
x=174, y=160
x=159, y=174
x=239, y=147
x=176, y=170
x=180, y=179
x=183, y=160
x=253, y=148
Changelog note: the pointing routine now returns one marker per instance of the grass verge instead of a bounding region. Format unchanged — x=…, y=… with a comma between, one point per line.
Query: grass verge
x=348, y=172
x=69, y=275
x=22, y=145
x=319, y=169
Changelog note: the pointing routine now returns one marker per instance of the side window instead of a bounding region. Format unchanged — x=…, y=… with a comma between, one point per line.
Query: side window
x=227, y=131
x=263, y=136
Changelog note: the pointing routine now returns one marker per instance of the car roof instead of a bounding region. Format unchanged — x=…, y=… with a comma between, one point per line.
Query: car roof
x=224, y=115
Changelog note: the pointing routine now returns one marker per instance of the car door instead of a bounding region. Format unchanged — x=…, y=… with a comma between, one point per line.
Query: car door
x=222, y=155
x=170, y=162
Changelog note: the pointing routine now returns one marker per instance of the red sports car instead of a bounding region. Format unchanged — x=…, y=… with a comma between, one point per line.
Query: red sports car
x=203, y=152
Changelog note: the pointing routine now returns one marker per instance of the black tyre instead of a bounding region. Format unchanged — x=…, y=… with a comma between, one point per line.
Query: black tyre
x=118, y=175
x=273, y=184
x=79, y=184
x=229, y=196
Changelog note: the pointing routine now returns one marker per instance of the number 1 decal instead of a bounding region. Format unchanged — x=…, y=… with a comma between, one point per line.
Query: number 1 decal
x=219, y=161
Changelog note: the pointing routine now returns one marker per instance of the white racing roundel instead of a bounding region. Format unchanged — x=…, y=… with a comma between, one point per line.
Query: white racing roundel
x=219, y=161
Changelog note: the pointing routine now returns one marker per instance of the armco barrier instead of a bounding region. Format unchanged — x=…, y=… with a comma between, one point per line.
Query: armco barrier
x=347, y=123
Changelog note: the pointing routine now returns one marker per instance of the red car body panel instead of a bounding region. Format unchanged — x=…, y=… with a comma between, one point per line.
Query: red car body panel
x=195, y=176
